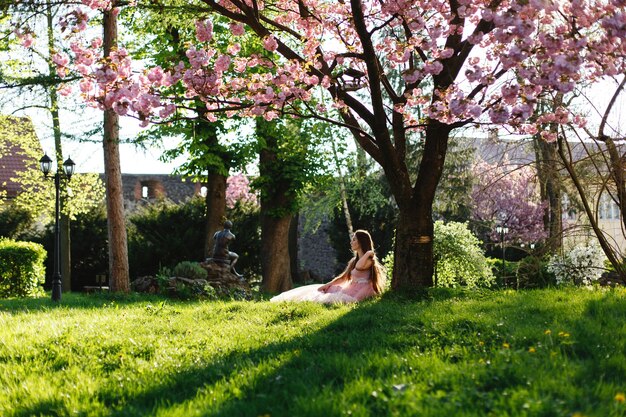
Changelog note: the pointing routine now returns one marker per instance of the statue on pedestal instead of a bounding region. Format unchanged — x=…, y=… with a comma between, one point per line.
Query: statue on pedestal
x=221, y=254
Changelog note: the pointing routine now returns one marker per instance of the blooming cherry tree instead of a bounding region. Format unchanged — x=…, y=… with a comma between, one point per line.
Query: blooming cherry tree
x=238, y=190
x=391, y=67
x=510, y=198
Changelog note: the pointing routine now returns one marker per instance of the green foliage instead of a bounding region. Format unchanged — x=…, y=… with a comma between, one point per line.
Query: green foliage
x=90, y=250
x=459, y=259
x=164, y=234
x=532, y=272
x=247, y=229
x=453, y=195
x=205, y=146
x=191, y=270
x=83, y=193
x=291, y=163
x=14, y=221
x=372, y=208
x=89, y=245
x=21, y=268
x=452, y=353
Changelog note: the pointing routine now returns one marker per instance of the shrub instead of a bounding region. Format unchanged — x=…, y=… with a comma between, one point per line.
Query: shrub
x=191, y=270
x=170, y=287
x=247, y=228
x=532, y=272
x=459, y=259
x=89, y=247
x=582, y=265
x=165, y=234
x=14, y=221
x=21, y=268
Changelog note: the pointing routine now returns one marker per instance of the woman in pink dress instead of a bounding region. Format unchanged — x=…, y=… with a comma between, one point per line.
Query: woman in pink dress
x=363, y=278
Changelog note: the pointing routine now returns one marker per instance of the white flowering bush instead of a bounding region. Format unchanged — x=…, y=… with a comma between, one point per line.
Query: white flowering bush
x=582, y=265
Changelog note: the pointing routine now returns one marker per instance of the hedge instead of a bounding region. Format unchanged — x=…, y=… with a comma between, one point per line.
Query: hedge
x=21, y=268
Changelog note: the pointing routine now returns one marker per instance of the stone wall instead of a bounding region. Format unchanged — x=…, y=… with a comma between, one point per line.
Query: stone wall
x=317, y=259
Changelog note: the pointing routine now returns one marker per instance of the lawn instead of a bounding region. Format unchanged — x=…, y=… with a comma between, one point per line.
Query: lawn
x=449, y=353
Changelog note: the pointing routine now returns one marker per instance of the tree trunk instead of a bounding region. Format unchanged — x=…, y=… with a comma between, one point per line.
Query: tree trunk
x=413, y=264
x=413, y=255
x=118, y=246
x=293, y=249
x=276, y=214
x=550, y=191
x=215, y=209
x=275, y=260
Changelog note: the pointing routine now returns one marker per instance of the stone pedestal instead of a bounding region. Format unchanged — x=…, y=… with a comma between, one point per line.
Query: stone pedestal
x=220, y=277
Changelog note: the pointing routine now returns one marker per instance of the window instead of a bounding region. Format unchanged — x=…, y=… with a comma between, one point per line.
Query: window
x=203, y=191
x=608, y=208
x=569, y=213
x=149, y=189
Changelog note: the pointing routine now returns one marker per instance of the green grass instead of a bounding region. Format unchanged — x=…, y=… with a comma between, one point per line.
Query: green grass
x=504, y=353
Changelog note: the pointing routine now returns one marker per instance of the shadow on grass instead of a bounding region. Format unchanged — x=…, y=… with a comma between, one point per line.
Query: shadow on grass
x=301, y=376
x=326, y=372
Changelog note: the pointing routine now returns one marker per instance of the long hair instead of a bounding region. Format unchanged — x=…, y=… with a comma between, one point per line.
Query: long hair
x=378, y=273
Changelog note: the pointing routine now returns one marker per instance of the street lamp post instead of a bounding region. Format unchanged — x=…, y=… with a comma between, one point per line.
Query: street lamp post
x=68, y=168
x=502, y=230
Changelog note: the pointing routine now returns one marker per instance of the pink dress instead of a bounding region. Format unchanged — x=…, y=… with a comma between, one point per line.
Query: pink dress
x=356, y=289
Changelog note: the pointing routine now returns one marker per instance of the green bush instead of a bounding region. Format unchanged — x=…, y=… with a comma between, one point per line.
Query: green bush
x=164, y=234
x=532, y=272
x=14, y=221
x=89, y=247
x=191, y=270
x=459, y=259
x=247, y=228
x=21, y=268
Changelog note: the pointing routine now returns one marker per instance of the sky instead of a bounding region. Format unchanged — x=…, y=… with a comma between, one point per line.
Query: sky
x=89, y=156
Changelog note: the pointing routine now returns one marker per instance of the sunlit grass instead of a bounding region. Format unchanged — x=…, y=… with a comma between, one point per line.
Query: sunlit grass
x=505, y=353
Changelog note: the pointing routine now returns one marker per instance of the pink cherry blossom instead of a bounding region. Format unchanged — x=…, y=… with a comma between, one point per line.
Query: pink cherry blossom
x=237, y=29
x=523, y=51
x=204, y=30
x=270, y=43
x=238, y=190
x=509, y=193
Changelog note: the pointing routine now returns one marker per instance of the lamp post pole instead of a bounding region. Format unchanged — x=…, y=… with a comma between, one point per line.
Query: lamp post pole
x=68, y=169
x=56, y=278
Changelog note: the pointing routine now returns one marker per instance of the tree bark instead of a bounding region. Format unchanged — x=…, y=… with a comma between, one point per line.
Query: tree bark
x=276, y=206
x=413, y=255
x=215, y=209
x=550, y=191
x=275, y=260
x=118, y=247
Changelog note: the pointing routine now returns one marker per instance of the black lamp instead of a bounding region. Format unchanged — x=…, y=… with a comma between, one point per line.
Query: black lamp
x=68, y=169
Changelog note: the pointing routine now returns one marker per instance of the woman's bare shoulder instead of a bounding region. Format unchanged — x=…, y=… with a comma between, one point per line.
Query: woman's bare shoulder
x=366, y=260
